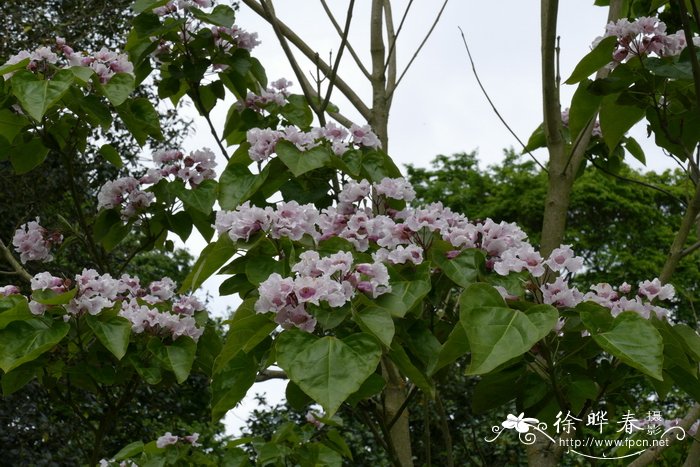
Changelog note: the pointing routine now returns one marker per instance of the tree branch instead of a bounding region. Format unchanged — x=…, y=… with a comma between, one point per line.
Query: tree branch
x=284, y=31
x=267, y=375
x=415, y=54
x=343, y=44
x=14, y=263
x=493, y=106
x=356, y=57
x=390, y=65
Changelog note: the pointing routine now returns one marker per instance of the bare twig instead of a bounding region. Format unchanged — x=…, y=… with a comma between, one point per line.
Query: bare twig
x=394, y=37
x=289, y=35
x=267, y=375
x=493, y=106
x=638, y=182
x=415, y=54
x=356, y=57
x=390, y=65
x=9, y=257
x=343, y=44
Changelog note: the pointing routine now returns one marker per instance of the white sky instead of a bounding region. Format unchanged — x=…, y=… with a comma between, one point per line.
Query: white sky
x=438, y=108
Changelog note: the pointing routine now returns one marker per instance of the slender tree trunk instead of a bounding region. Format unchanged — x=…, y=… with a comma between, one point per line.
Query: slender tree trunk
x=563, y=163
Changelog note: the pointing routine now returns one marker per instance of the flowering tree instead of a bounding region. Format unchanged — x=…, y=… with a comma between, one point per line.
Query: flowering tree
x=354, y=291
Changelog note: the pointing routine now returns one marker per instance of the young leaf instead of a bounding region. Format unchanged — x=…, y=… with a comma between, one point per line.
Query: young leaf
x=594, y=60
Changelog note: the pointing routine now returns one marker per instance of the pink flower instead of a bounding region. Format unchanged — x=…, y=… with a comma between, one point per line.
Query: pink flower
x=33, y=242
x=167, y=439
x=653, y=289
x=364, y=136
x=560, y=294
x=396, y=188
x=563, y=257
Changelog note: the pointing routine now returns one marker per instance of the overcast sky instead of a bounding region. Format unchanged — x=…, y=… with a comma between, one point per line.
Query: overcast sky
x=438, y=107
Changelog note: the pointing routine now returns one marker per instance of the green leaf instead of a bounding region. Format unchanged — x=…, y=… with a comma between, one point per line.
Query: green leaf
x=221, y=15
x=21, y=65
x=616, y=120
x=596, y=59
x=246, y=330
x=38, y=96
x=24, y=341
x=11, y=124
x=140, y=6
x=398, y=355
x=49, y=297
x=376, y=321
x=584, y=106
x=375, y=165
x=128, y=451
x=405, y=293
x=141, y=119
x=118, y=88
x=111, y=155
x=28, y=156
x=181, y=354
x=200, y=198
x=372, y=386
x=237, y=185
x=259, y=268
x=328, y=369
x=296, y=398
x=210, y=260
x=497, y=334
x=300, y=162
x=297, y=111
x=636, y=342
x=230, y=385
x=82, y=73
x=689, y=338
x=462, y=269
x=112, y=331
x=537, y=140
x=634, y=149
x=453, y=348
x=236, y=284
x=496, y=389
x=16, y=379
x=14, y=308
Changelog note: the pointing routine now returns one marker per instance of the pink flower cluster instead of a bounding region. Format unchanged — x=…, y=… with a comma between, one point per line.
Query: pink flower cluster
x=193, y=168
x=643, y=36
x=560, y=294
x=263, y=140
x=331, y=279
x=168, y=438
x=225, y=38
x=141, y=306
x=128, y=194
x=124, y=194
x=172, y=7
x=33, y=242
x=104, y=63
x=235, y=36
x=276, y=93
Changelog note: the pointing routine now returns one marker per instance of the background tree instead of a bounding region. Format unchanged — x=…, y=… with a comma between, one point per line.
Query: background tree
x=57, y=424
